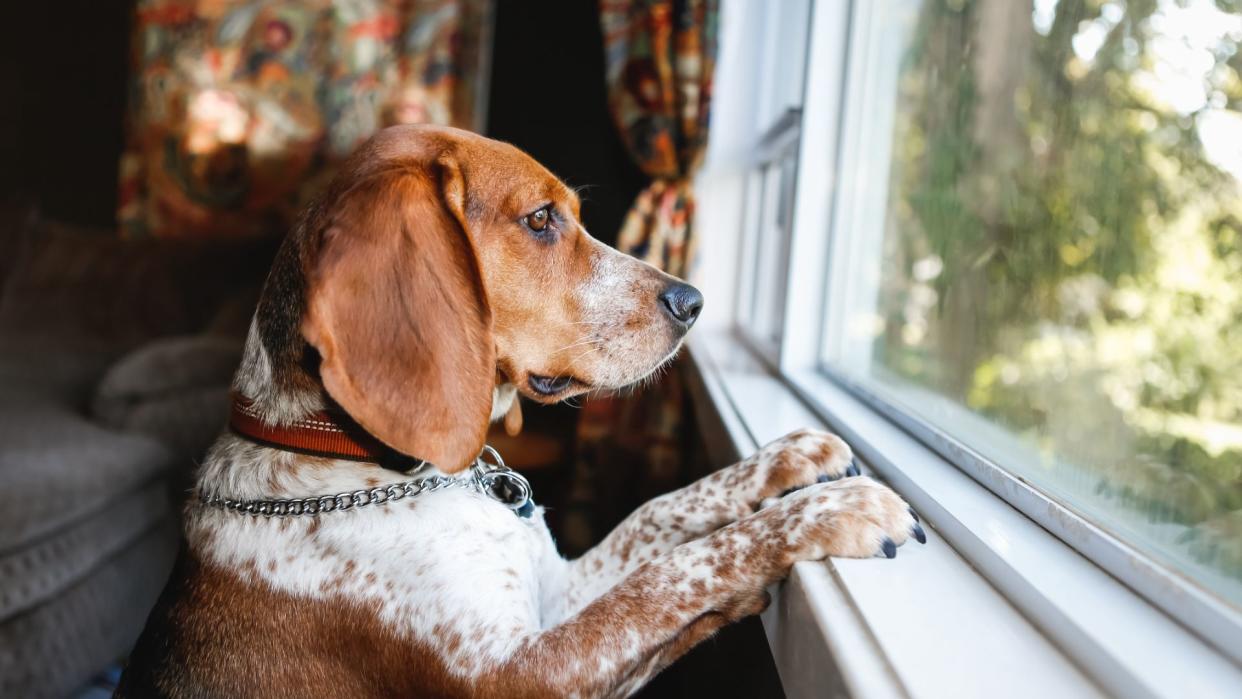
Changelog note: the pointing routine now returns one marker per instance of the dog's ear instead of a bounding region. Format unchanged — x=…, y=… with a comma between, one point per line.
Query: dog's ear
x=397, y=311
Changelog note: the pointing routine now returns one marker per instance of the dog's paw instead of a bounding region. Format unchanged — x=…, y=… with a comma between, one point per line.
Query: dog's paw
x=855, y=517
x=852, y=517
x=800, y=459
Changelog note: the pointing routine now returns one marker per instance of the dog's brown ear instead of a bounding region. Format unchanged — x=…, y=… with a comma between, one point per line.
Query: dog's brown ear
x=397, y=311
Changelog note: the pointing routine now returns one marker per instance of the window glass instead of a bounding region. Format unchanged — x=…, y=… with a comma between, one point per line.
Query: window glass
x=784, y=60
x=1055, y=276
x=766, y=216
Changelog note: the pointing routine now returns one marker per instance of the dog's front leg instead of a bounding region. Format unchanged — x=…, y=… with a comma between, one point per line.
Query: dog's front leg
x=671, y=602
x=793, y=461
x=699, y=630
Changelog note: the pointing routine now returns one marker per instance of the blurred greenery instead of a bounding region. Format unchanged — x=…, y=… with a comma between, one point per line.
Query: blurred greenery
x=1064, y=248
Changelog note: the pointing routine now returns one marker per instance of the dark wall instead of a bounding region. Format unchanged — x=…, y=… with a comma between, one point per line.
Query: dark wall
x=62, y=101
x=548, y=98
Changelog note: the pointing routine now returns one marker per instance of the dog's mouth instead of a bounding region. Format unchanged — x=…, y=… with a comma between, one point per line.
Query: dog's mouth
x=551, y=386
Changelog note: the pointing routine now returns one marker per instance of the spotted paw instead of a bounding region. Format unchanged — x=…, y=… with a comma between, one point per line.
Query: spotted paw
x=797, y=460
x=803, y=458
x=855, y=517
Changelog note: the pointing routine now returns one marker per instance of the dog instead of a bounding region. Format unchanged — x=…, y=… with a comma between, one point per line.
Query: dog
x=346, y=538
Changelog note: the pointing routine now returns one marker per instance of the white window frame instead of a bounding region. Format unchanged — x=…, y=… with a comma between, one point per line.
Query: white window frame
x=1088, y=611
x=761, y=302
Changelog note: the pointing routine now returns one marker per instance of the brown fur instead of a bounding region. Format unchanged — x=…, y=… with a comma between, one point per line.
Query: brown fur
x=386, y=256
x=410, y=284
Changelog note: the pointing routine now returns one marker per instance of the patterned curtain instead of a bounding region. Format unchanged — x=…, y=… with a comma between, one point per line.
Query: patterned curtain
x=659, y=57
x=239, y=109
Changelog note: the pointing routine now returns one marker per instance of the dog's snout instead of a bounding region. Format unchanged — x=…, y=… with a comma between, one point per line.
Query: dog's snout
x=683, y=303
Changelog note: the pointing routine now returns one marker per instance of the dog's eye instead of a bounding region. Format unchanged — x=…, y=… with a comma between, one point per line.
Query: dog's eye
x=538, y=221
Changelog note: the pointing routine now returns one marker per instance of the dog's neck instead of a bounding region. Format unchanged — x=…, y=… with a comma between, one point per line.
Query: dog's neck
x=284, y=394
x=279, y=393
x=279, y=369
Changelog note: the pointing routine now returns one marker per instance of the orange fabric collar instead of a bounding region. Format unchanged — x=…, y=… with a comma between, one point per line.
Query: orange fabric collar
x=325, y=433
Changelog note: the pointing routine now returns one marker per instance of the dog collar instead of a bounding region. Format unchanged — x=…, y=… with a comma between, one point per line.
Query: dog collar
x=490, y=478
x=326, y=433
x=333, y=435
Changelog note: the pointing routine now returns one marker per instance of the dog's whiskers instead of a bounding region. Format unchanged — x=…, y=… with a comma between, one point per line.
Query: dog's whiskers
x=593, y=348
x=579, y=343
x=582, y=340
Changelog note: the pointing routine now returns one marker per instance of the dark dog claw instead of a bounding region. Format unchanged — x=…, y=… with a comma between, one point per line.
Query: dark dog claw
x=889, y=548
x=914, y=514
x=919, y=535
x=853, y=470
x=824, y=478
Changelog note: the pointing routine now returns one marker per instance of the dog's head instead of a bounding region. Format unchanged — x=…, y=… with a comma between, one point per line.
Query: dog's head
x=441, y=265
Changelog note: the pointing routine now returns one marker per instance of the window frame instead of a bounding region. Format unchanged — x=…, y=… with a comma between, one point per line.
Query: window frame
x=764, y=210
x=840, y=73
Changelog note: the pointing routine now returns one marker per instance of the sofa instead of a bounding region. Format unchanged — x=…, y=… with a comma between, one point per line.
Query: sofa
x=115, y=359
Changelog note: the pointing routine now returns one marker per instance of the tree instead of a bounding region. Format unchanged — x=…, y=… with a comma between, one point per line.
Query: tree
x=1064, y=257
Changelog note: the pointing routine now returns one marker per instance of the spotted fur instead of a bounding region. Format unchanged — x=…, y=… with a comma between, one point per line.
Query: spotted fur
x=456, y=594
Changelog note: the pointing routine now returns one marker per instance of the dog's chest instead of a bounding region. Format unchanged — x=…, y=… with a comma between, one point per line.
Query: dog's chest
x=451, y=569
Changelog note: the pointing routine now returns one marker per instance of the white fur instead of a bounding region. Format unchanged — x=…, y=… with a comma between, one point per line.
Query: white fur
x=617, y=288
x=455, y=564
x=419, y=551
x=502, y=399
x=254, y=380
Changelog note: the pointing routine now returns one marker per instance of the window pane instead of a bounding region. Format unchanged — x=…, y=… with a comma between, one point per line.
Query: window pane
x=769, y=233
x=766, y=236
x=784, y=59
x=1055, y=274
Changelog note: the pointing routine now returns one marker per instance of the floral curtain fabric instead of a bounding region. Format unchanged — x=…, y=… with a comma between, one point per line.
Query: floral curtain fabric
x=659, y=60
x=659, y=57
x=239, y=108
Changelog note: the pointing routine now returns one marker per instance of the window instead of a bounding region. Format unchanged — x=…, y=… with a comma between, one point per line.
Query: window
x=1031, y=248
x=769, y=187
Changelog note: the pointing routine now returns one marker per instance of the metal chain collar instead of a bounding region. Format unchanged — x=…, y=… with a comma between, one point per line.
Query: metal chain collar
x=493, y=479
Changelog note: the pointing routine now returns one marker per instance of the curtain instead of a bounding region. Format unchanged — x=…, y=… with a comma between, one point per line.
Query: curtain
x=659, y=61
x=239, y=109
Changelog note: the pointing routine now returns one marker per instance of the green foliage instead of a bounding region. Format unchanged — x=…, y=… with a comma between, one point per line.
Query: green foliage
x=1089, y=292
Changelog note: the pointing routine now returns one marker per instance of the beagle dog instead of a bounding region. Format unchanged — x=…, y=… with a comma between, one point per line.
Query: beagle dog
x=347, y=539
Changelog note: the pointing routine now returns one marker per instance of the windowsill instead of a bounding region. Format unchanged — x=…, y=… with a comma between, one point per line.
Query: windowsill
x=993, y=605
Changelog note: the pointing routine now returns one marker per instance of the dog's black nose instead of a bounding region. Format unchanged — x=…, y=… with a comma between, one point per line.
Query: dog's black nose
x=682, y=302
